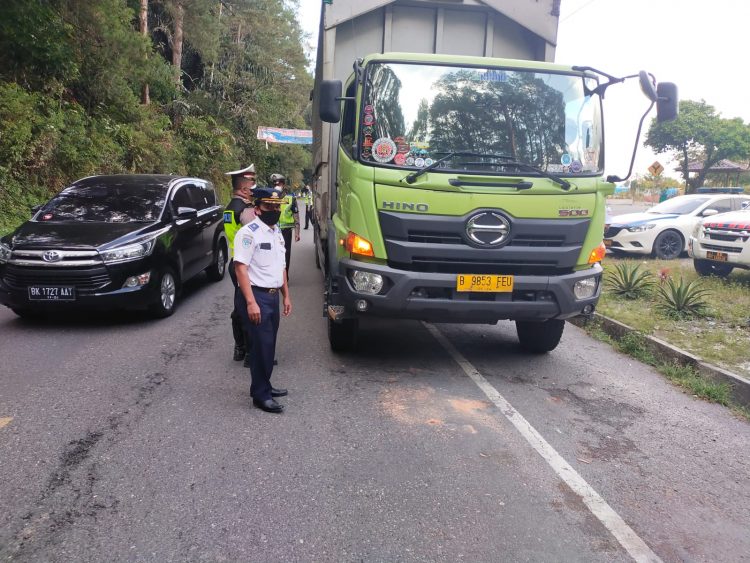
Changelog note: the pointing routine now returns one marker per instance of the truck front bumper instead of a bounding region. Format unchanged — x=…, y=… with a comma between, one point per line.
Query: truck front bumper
x=433, y=296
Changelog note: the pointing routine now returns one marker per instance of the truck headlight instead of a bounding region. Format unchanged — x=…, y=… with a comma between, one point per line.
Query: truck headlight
x=128, y=253
x=367, y=282
x=698, y=231
x=641, y=228
x=585, y=288
x=5, y=253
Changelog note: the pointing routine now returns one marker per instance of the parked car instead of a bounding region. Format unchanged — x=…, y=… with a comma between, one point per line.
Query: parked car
x=664, y=230
x=721, y=243
x=127, y=241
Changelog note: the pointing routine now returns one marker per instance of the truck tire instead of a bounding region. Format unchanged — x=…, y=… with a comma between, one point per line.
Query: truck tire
x=668, y=245
x=315, y=247
x=218, y=267
x=709, y=268
x=342, y=335
x=539, y=337
x=165, y=304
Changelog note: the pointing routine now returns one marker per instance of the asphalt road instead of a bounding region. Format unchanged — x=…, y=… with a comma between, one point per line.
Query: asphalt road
x=124, y=439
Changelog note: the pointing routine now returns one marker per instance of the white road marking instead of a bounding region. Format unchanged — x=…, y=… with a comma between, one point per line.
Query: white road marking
x=624, y=534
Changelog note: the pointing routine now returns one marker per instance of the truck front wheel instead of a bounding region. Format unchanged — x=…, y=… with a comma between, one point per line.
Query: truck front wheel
x=342, y=335
x=539, y=337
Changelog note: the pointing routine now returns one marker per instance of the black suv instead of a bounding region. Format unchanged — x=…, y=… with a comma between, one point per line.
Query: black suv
x=114, y=241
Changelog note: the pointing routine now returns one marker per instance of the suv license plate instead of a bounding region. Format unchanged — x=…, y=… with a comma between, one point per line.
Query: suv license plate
x=52, y=293
x=487, y=283
x=718, y=256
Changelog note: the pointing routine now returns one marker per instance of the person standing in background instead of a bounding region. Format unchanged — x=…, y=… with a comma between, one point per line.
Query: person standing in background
x=238, y=212
x=289, y=216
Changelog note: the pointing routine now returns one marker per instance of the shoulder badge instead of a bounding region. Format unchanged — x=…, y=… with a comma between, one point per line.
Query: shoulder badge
x=228, y=217
x=253, y=226
x=247, y=241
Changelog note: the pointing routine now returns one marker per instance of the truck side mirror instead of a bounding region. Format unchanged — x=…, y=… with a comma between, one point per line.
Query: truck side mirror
x=330, y=101
x=667, y=102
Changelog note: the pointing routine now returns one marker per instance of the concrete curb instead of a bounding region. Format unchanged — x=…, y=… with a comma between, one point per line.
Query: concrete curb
x=739, y=386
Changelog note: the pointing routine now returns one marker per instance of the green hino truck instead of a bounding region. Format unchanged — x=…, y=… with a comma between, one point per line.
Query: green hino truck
x=458, y=172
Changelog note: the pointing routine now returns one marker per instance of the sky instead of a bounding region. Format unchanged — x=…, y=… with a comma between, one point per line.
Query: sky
x=700, y=45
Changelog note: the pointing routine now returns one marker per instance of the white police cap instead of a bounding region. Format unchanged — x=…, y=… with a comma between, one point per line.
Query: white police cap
x=249, y=170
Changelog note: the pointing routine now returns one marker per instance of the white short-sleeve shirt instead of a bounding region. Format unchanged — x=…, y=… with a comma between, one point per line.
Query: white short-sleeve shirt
x=261, y=248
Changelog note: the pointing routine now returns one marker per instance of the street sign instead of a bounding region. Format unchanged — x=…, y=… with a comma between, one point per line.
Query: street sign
x=656, y=168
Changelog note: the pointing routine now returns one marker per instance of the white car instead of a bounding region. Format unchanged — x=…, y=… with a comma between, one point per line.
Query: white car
x=721, y=243
x=664, y=230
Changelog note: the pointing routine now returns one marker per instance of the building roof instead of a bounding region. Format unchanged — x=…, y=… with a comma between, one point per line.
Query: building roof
x=721, y=166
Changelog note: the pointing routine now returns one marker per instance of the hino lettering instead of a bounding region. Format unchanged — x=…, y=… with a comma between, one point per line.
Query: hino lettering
x=406, y=206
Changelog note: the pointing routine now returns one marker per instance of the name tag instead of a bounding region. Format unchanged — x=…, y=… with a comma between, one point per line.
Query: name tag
x=265, y=246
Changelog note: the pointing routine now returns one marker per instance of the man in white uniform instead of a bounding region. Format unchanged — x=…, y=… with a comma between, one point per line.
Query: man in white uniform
x=259, y=257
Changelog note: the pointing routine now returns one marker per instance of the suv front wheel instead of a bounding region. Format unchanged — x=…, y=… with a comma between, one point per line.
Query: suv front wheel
x=165, y=304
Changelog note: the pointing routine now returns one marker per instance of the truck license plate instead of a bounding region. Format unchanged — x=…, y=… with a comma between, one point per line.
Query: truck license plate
x=718, y=256
x=52, y=293
x=488, y=283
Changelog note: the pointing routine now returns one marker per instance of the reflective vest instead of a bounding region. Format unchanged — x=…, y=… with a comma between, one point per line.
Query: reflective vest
x=287, y=216
x=232, y=222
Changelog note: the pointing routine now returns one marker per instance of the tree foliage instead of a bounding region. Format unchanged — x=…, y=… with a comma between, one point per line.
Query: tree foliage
x=72, y=73
x=700, y=134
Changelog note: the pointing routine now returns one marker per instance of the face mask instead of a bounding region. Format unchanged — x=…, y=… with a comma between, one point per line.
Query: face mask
x=270, y=218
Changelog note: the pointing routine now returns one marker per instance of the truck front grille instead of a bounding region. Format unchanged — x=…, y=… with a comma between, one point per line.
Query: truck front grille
x=440, y=244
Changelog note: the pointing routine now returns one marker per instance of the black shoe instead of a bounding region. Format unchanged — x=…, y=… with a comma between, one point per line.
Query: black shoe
x=239, y=353
x=276, y=362
x=278, y=392
x=246, y=363
x=269, y=405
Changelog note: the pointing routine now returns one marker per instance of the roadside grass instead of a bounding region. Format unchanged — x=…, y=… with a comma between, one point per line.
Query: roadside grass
x=635, y=345
x=721, y=337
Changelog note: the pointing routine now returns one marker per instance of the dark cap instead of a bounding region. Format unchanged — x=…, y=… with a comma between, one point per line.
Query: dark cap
x=267, y=195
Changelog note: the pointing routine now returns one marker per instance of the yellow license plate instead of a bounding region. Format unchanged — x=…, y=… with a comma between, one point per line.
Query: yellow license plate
x=718, y=256
x=607, y=242
x=488, y=283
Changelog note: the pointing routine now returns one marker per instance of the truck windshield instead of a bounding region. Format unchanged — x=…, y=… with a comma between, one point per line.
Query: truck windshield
x=415, y=114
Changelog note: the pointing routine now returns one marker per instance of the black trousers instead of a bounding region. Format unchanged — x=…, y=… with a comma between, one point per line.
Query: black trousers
x=263, y=337
x=308, y=215
x=238, y=330
x=287, y=234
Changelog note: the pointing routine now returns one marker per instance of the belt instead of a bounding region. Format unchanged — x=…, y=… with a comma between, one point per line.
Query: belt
x=266, y=289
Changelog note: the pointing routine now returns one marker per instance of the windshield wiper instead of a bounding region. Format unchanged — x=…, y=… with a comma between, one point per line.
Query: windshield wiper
x=509, y=161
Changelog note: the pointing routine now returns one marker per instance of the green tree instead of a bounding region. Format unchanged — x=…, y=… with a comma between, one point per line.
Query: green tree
x=700, y=134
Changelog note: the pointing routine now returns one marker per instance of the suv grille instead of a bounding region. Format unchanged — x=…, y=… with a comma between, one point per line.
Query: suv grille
x=90, y=279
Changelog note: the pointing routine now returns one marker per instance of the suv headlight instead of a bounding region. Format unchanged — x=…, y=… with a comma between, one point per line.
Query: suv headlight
x=128, y=253
x=5, y=253
x=641, y=228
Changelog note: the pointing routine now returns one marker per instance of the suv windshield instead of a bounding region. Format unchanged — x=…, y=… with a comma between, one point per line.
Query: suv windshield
x=415, y=114
x=680, y=205
x=105, y=204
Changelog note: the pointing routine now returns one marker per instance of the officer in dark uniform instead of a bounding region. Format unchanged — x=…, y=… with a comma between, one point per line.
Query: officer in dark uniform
x=259, y=260
x=238, y=212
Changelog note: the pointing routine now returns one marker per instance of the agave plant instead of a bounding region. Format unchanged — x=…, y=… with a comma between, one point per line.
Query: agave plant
x=680, y=299
x=629, y=281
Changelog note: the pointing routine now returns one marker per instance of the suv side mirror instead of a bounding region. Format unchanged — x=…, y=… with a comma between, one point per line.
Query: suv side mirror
x=187, y=213
x=667, y=107
x=709, y=212
x=330, y=102
x=35, y=208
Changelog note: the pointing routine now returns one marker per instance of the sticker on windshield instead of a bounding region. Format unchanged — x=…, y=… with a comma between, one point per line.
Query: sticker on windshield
x=428, y=162
x=566, y=159
x=367, y=142
x=368, y=119
x=402, y=146
x=383, y=150
x=555, y=168
x=419, y=163
x=494, y=75
x=399, y=159
x=410, y=161
x=367, y=130
x=368, y=108
x=576, y=166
